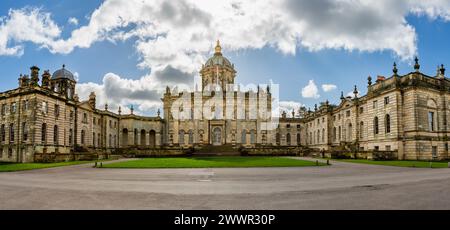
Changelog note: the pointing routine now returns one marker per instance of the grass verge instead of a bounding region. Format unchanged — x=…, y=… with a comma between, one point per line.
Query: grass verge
x=413, y=164
x=213, y=162
x=12, y=167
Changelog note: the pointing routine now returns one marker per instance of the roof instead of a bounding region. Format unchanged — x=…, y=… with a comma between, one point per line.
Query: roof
x=63, y=74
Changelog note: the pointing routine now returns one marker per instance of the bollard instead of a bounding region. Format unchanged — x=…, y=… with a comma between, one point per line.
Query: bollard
x=328, y=162
x=101, y=164
x=95, y=165
x=317, y=163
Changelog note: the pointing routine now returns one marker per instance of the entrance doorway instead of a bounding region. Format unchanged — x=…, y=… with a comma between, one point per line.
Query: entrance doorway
x=217, y=136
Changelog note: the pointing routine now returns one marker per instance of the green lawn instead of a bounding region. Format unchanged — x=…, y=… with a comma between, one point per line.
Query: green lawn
x=417, y=164
x=11, y=167
x=212, y=162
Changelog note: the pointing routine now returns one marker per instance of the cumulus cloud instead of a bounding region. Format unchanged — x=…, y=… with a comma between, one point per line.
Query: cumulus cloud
x=73, y=21
x=289, y=106
x=26, y=25
x=181, y=33
x=173, y=38
x=117, y=91
x=328, y=87
x=310, y=90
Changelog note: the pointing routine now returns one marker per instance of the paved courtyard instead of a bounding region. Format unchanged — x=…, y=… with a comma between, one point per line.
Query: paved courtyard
x=340, y=186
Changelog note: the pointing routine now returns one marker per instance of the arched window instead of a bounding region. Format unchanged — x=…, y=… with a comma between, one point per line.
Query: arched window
x=110, y=140
x=98, y=139
x=361, y=130
x=181, y=137
x=191, y=137
x=152, y=136
x=340, y=133
x=288, y=139
x=135, y=137
x=387, y=122
x=143, y=138
x=334, y=134
x=55, y=135
x=124, y=138
x=277, y=137
x=93, y=139
x=252, y=136
x=298, y=139
x=375, y=126
x=318, y=136
x=83, y=136
x=350, y=132
x=44, y=133
x=244, y=137
x=314, y=138
x=310, y=138
x=323, y=135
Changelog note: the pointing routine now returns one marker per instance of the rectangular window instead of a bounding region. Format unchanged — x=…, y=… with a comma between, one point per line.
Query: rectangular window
x=11, y=133
x=386, y=100
x=44, y=107
x=388, y=148
x=2, y=133
x=25, y=105
x=56, y=110
x=375, y=104
x=431, y=121
x=13, y=107
x=377, y=148
x=24, y=131
x=348, y=113
x=434, y=151
x=4, y=110
x=361, y=110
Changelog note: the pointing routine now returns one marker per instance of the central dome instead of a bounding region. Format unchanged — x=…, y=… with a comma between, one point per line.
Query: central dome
x=218, y=58
x=63, y=74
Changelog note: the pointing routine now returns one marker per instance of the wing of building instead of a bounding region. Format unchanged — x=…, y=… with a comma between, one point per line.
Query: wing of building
x=404, y=117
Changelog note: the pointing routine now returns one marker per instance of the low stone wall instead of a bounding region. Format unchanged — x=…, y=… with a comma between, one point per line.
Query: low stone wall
x=59, y=157
x=156, y=152
x=274, y=151
x=368, y=155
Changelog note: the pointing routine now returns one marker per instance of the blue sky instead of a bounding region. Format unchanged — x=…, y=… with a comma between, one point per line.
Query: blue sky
x=125, y=58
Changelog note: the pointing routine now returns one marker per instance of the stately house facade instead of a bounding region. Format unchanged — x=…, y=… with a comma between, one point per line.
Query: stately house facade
x=401, y=115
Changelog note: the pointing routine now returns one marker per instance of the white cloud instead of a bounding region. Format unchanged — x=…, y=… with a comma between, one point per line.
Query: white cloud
x=26, y=25
x=311, y=90
x=77, y=76
x=177, y=37
x=288, y=106
x=182, y=33
x=73, y=21
x=328, y=87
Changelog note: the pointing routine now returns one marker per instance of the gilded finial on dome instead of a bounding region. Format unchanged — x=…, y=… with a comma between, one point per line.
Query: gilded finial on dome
x=218, y=48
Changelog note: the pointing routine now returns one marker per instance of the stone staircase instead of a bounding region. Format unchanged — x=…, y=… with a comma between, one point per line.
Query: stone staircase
x=223, y=150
